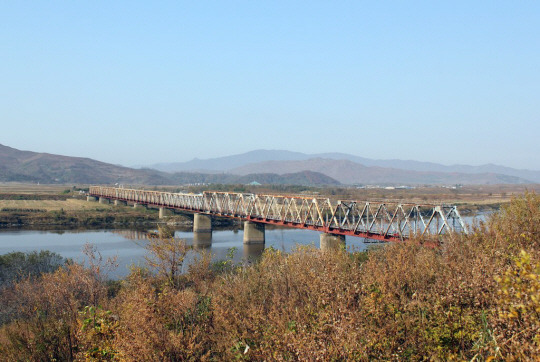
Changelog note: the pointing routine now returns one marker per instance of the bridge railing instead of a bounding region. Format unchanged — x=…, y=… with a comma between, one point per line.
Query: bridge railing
x=362, y=218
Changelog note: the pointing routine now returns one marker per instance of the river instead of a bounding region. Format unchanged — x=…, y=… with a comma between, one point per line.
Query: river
x=129, y=245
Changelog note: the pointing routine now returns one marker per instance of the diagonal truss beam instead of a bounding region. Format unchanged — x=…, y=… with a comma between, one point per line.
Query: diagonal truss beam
x=374, y=220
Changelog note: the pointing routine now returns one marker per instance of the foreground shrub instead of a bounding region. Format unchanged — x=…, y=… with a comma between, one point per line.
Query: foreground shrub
x=48, y=313
x=519, y=309
x=475, y=297
x=161, y=322
x=517, y=226
x=295, y=306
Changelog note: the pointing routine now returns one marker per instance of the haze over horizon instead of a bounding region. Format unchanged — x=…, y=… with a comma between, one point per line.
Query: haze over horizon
x=315, y=155
x=142, y=83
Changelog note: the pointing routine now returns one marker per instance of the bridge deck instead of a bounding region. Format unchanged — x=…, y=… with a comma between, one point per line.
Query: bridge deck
x=374, y=220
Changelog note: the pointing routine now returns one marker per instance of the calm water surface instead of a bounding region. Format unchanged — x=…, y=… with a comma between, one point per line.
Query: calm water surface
x=129, y=245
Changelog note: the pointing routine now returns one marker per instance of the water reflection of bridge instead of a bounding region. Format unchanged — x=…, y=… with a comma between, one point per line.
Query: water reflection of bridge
x=132, y=234
x=200, y=241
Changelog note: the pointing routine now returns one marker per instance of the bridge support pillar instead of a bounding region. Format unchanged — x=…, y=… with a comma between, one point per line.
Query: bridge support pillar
x=332, y=241
x=164, y=212
x=202, y=239
x=253, y=233
x=139, y=206
x=120, y=203
x=91, y=198
x=202, y=223
x=104, y=200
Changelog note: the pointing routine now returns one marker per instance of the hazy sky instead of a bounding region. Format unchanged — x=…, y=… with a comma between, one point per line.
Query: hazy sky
x=131, y=82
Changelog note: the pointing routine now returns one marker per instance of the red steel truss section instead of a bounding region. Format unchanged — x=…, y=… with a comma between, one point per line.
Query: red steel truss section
x=374, y=220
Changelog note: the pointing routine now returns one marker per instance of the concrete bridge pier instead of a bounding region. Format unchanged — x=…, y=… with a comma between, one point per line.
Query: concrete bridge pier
x=91, y=198
x=164, y=212
x=120, y=203
x=139, y=206
x=104, y=200
x=202, y=223
x=332, y=241
x=253, y=233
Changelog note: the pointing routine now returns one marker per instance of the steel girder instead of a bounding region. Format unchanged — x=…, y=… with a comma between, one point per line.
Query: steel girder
x=375, y=220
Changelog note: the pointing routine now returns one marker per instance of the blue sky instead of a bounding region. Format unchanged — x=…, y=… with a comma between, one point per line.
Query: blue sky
x=132, y=82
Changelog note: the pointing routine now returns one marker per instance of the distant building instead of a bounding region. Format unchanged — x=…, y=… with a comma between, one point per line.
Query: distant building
x=254, y=183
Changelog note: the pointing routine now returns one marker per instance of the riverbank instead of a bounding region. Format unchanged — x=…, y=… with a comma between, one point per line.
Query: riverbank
x=37, y=217
x=71, y=213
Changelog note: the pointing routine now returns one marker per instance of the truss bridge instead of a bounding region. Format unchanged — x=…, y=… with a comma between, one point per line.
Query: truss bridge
x=384, y=221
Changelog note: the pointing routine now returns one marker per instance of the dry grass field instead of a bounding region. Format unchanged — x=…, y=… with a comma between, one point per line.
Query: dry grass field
x=464, y=195
x=15, y=196
x=51, y=205
x=19, y=188
x=58, y=197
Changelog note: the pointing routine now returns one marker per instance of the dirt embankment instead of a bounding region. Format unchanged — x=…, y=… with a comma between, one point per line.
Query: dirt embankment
x=53, y=210
x=10, y=218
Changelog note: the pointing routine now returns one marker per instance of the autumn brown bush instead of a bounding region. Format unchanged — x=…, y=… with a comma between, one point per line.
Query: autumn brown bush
x=473, y=297
x=518, y=307
x=517, y=225
x=288, y=307
x=48, y=313
x=159, y=320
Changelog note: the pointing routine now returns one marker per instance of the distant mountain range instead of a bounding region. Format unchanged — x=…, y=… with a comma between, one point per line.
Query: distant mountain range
x=348, y=172
x=350, y=169
x=262, y=166
x=27, y=166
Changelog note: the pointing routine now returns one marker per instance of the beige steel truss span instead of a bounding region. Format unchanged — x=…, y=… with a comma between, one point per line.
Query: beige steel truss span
x=388, y=221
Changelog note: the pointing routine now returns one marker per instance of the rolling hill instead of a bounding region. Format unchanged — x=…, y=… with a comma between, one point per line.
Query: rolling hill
x=27, y=166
